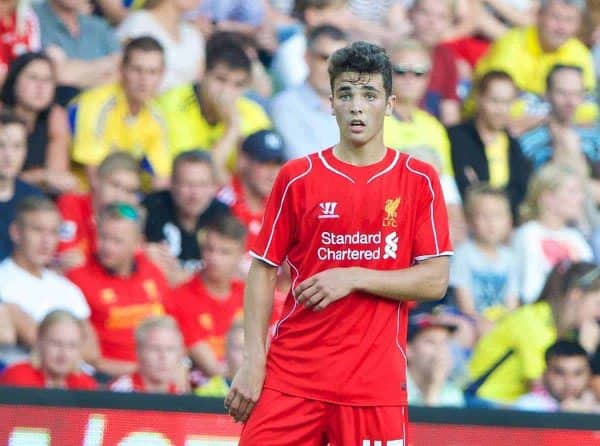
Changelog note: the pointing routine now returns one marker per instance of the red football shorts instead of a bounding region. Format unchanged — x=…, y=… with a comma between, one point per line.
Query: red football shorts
x=284, y=420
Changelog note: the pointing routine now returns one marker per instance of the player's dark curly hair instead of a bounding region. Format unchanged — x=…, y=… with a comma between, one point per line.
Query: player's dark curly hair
x=364, y=58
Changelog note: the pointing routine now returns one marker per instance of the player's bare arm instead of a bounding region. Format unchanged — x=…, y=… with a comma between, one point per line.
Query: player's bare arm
x=425, y=281
x=258, y=304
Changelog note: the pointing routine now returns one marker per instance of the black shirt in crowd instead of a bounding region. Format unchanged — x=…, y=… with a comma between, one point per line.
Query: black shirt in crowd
x=162, y=225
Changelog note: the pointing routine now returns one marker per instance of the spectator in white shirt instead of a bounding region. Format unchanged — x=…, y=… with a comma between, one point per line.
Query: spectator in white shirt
x=28, y=288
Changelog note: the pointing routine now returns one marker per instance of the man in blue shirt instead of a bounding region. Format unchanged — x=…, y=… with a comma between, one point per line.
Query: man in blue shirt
x=13, y=148
x=559, y=139
x=302, y=115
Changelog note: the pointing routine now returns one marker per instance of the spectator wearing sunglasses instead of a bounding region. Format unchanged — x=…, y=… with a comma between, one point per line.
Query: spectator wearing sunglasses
x=409, y=126
x=302, y=114
x=117, y=179
x=121, y=285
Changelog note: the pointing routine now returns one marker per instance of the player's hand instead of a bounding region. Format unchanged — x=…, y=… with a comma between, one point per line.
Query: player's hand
x=245, y=390
x=324, y=288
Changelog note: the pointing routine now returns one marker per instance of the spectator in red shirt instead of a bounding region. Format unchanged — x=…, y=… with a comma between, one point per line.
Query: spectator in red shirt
x=121, y=285
x=160, y=356
x=431, y=21
x=206, y=305
x=19, y=32
x=259, y=162
x=117, y=180
x=58, y=351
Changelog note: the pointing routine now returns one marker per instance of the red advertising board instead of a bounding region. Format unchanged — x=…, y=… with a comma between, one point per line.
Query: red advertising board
x=65, y=426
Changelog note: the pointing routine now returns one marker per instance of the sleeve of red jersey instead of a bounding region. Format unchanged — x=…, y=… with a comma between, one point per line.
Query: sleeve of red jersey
x=432, y=236
x=279, y=221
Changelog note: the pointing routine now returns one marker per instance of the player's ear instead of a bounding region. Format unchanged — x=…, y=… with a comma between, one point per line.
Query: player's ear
x=389, y=108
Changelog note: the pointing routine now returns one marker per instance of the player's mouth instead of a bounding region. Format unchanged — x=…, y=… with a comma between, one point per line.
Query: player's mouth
x=357, y=125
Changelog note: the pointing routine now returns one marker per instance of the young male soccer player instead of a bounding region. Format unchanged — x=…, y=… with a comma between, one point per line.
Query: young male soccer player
x=364, y=229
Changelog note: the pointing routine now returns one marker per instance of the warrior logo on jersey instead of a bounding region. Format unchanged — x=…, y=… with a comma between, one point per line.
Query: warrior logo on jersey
x=391, y=211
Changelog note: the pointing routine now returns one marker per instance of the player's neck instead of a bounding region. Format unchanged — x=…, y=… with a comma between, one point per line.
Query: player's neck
x=370, y=153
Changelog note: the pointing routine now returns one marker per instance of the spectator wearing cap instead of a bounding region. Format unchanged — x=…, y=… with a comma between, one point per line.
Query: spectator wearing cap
x=58, y=355
x=429, y=359
x=213, y=115
x=565, y=382
x=529, y=53
x=410, y=126
x=121, y=286
x=259, y=161
x=207, y=304
x=176, y=216
x=121, y=115
x=560, y=139
x=83, y=47
x=29, y=288
x=159, y=348
x=302, y=114
x=182, y=42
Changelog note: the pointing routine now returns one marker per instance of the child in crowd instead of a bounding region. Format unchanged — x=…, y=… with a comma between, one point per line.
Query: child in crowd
x=483, y=270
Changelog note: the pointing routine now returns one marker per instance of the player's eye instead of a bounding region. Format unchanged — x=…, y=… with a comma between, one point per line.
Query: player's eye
x=371, y=96
x=344, y=96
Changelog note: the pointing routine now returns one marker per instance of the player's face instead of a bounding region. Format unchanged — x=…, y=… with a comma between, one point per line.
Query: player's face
x=316, y=59
x=118, y=240
x=142, y=75
x=159, y=355
x=494, y=104
x=491, y=219
x=60, y=349
x=557, y=23
x=193, y=188
x=35, y=86
x=221, y=255
x=360, y=104
x=13, y=148
x=235, y=351
x=411, y=75
x=37, y=236
x=567, y=377
x=119, y=186
x=566, y=94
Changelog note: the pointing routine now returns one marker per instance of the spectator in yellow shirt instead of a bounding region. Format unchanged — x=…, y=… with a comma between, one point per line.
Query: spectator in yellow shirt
x=120, y=116
x=214, y=115
x=529, y=53
x=409, y=126
x=508, y=362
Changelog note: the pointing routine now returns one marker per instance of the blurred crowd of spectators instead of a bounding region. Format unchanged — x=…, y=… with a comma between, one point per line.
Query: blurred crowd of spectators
x=139, y=141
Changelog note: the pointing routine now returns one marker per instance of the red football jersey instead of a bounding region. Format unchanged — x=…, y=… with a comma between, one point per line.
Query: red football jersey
x=204, y=317
x=322, y=214
x=233, y=196
x=119, y=304
x=26, y=375
x=78, y=229
x=134, y=383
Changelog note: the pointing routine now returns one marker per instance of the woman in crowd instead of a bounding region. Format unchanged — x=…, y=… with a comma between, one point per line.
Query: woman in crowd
x=509, y=361
x=56, y=359
x=554, y=202
x=182, y=42
x=29, y=90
